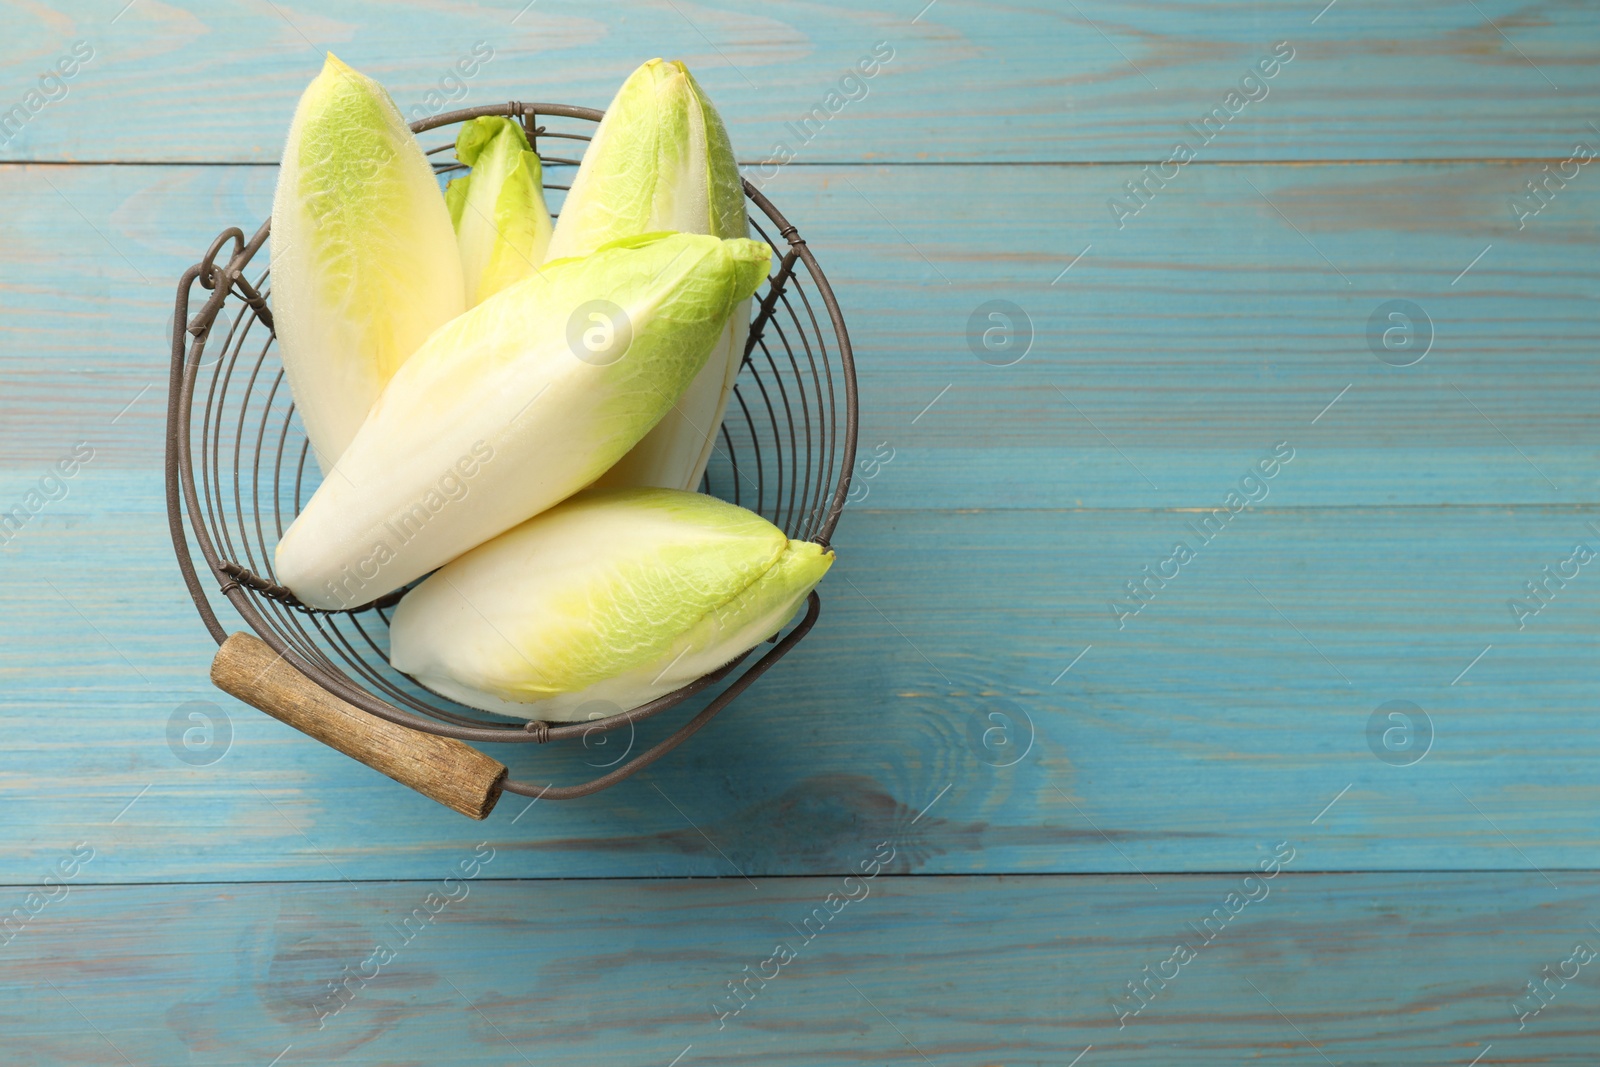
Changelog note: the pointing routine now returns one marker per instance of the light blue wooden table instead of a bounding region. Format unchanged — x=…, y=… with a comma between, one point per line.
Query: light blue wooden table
x=1079, y=797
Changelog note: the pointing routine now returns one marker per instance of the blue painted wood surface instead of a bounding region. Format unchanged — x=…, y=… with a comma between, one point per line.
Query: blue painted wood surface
x=1081, y=81
x=977, y=691
x=1205, y=724
x=1163, y=363
x=1360, y=969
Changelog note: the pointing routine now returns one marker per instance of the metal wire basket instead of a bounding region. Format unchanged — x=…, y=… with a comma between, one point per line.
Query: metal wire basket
x=237, y=475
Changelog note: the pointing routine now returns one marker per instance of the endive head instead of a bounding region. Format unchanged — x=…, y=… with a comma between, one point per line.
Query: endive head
x=363, y=257
x=502, y=225
x=615, y=593
x=637, y=317
x=660, y=160
x=514, y=375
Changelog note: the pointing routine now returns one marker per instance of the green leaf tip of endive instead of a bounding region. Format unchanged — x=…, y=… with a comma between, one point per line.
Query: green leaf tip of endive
x=660, y=159
x=752, y=259
x=476, y=134
x=502, y=225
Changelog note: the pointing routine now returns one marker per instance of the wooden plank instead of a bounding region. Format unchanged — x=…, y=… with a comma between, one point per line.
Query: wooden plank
x=1236, y=703
x=1207, y=329
x=1363, y=969
x=1094, y=80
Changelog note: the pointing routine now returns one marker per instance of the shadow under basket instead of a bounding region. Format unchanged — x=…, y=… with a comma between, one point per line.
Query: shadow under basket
x=237, y=474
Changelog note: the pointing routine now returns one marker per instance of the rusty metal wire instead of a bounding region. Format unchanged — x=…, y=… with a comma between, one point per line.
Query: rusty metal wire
x=238, y=468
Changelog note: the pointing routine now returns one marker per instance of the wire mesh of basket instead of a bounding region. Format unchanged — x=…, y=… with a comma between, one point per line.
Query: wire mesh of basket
x=238, y=470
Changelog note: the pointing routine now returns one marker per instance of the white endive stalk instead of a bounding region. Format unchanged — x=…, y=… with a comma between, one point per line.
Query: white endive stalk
x=514, y=406
x=502, y=224
x=539, y=623
x=661, y=160
x=364, y=261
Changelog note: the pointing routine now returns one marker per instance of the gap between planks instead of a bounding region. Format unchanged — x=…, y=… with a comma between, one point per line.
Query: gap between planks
x=1367, y=872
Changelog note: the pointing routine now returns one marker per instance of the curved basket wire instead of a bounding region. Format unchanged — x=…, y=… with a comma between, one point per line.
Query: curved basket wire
x=238, y=465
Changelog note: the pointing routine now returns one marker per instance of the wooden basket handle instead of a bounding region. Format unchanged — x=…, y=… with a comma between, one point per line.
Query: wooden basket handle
x=442, y=768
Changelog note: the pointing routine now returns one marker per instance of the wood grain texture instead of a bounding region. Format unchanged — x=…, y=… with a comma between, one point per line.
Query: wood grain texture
x=1094, y=80
x=1236, y=702
x=1353, y=970
x=456, y=775
x=970, y=694
x=1206, y=329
